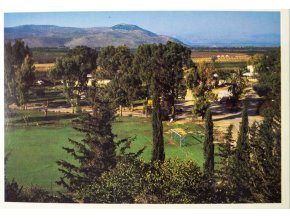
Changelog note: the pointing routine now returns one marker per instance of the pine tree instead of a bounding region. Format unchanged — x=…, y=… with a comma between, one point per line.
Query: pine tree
x=208, y=146
x=95, y=154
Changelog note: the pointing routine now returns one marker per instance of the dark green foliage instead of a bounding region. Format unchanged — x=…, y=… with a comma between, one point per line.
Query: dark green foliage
x=204, y=97
x=241, y=164
x=24, y=79
x=38, y=194
x=13, y=193
x=242, y=142
x=265, y=149
x=208, y=146
x=225, y=172
x=157, y=129
x=96, y=153
x=14, y=55
x=226, y=151
x=156, y=89
x=9, y=73
x=173, y=181
x=116, y=65
x=122, y=183
x=167, y=61
x=268, y=67
x=19, y=51
x=133, y=181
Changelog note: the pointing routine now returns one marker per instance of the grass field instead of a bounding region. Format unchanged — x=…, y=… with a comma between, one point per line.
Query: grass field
x=33, y=150
x=224, y=60
x=43, y=67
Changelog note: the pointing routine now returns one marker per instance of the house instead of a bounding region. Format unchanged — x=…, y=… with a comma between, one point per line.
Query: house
x=251, y=72
x=250, y=68
x=91, y=81
x=223, y=95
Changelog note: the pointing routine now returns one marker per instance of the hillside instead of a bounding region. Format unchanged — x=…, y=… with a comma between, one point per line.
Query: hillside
x=55, y=36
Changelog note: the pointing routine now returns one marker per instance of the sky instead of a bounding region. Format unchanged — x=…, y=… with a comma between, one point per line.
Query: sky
x=188, y=26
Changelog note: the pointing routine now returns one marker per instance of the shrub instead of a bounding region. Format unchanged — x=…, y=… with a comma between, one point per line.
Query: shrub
x=134, y=181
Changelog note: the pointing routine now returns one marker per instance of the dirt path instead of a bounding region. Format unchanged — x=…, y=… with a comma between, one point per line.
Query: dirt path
x=222, y=116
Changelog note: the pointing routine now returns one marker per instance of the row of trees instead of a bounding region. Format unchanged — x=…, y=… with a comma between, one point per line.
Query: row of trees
x=131, y=75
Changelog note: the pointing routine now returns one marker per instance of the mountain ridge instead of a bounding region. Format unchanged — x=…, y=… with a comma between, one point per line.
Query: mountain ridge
x=57, y=36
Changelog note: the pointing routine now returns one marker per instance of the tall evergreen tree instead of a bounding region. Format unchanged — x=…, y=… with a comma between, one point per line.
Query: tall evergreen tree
x=241, y=164
x=157, y=128
x=242, y=142
x=208, y=146
x=95, y=154
x=225, y=170
x=226, y=153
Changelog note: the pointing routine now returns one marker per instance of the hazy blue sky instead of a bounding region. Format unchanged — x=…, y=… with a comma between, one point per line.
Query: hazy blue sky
x=185, y=25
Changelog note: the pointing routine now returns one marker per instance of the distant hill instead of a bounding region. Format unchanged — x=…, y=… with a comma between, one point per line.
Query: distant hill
x=56, y=36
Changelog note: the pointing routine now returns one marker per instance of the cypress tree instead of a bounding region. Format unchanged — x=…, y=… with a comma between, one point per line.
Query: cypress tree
x=242, y=142
x=225, y=171
x=208, y=146
x=95, y=154
x=225, y=153
x=241, y=164
x=157, y=126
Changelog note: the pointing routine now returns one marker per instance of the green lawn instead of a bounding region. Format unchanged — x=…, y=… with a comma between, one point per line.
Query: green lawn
x=141, y=129
x=35, y=149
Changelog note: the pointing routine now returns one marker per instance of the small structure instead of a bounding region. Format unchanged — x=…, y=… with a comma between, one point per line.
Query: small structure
x=39, y=82
x=178, y=134
x=223, y=95
x=251, y=73
x=250, y=68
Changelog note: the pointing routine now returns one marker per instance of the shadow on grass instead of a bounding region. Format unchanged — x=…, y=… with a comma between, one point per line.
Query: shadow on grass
x=50, y=118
